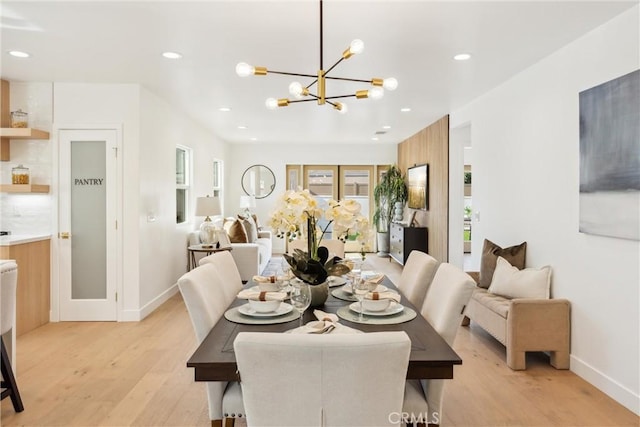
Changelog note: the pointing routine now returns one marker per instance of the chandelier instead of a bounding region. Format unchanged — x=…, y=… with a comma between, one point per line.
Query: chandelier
x=302, y=93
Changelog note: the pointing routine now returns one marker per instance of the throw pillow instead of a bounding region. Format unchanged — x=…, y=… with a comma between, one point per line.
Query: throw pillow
x=255, y=219
x=250, y=228
x=236, y=232
x=490, y=253
x=510, y=282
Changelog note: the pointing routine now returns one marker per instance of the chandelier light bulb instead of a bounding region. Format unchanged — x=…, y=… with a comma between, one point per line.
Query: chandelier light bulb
x=271, y=103
x=243, y=69
x=295, y=89
x=376, y=92
x=356, y=46
x=390, y=83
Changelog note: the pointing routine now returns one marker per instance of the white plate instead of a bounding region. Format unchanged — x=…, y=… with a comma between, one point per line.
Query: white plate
x=336, y=281
x=248, y=311
x=394, y=308
x=380, y=288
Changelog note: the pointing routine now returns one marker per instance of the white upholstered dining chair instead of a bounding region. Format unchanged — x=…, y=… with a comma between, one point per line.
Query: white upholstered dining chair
x=334, y=246
x=204, y=294
x=416, y=277
x=8, y=286
x=227, y=272
x=443, y=306
x=322, y=380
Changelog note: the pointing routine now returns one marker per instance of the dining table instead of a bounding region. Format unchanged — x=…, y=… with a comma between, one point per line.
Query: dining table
x=430, y=358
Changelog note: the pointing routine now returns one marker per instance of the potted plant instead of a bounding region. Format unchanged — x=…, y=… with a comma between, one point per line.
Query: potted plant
x=390, y=190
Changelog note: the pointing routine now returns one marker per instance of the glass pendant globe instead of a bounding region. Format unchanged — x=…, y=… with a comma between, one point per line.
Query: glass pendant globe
x=271, y=103
x=356, y=46
x=243, y=69
x=295, y=89
x=376, y=92
x=390, y=83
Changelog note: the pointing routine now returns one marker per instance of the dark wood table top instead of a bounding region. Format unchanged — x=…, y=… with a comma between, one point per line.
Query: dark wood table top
x=431, y=357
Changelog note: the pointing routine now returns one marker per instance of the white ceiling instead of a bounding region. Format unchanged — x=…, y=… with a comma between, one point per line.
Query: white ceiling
x=414, y=41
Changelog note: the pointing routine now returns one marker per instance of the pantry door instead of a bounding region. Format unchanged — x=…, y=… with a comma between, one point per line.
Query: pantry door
x=87, y=225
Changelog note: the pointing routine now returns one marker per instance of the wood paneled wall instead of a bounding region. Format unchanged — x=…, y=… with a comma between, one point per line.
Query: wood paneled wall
x=431, y=146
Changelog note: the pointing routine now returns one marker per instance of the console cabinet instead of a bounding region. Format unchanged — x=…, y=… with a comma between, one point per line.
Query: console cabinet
x=403, y=240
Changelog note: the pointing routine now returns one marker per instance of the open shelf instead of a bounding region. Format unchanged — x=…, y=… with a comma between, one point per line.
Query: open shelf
x=7, y=134
x=24, y=188
x=23, y=133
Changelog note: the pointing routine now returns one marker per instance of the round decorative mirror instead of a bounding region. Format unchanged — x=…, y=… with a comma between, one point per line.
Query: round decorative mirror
x=258, y=181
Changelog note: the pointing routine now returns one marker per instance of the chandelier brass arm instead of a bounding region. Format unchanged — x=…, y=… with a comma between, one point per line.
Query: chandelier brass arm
x=298, y=91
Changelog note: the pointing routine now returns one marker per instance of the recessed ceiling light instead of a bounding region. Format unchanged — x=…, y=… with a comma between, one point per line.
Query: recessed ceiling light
x=19, y=54
x=462, y=57
x=386, y=127
x=405, y=109
x=172, y=55
x=242, y=127
x=224, y=109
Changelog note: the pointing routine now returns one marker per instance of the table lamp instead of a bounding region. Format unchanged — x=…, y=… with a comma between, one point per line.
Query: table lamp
x=207, y=207
x=247, y=202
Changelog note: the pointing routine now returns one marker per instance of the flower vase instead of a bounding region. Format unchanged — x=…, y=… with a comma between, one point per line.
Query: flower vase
x=319, y=294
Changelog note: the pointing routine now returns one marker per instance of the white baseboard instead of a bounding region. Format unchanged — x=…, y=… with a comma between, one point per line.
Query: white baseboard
x=607, y=385
x=147, y=309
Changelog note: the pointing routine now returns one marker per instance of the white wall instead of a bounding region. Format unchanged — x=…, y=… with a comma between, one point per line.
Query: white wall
x=525, y=137
x=277, y=156
x=99, y=104
x=163, y=244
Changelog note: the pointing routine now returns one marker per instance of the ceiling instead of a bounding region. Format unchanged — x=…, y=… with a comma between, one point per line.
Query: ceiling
x=414, y=41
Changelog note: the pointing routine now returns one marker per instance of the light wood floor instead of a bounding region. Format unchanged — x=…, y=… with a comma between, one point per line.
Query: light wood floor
x=120, y=374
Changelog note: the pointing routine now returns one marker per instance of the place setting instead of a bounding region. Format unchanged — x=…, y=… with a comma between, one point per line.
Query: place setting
x=327, y=323
x=273, y=283
x=372, y=280
x=375, y=304
x=263, y=307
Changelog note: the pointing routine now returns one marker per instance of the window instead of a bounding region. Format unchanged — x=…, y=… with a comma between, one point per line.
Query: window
x=183, y=182
x=217, y=178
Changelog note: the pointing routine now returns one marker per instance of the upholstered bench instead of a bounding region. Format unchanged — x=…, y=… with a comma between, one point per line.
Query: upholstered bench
x=523, y=324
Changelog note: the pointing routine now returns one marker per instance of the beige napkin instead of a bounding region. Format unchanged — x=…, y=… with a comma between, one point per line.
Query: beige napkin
x=326, y=317
x=383, y=295
x=324, y=321
x=376, y=279
x=262, y=296
x=267, y=279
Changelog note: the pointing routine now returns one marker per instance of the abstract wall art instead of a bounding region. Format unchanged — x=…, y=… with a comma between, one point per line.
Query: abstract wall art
x=610, y=158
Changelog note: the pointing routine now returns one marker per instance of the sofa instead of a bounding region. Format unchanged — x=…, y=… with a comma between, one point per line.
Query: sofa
x=523, y=324
x=251, y=258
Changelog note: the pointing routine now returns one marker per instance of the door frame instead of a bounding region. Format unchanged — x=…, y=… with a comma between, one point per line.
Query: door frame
x=54, y=315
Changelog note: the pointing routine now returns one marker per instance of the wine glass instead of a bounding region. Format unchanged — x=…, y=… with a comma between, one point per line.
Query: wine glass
x=360, y=289
x=286, y=271
x=301, y=298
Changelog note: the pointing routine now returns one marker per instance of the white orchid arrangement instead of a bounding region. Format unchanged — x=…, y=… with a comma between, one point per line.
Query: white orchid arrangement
x=297, y=214
x=294, y=210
